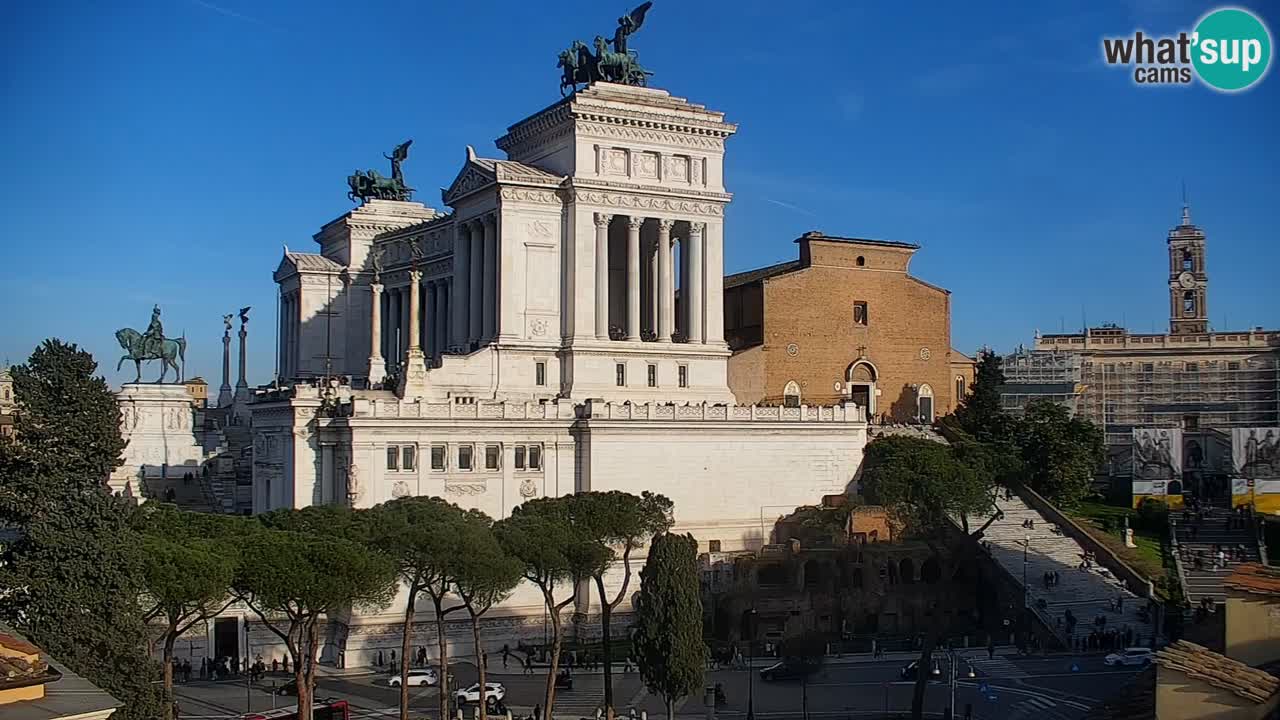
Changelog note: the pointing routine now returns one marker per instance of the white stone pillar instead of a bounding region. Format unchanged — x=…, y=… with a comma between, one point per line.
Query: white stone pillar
x=428, y=324
x=224, y=392
x=490, y=292
x=413, y=373
x=242, y=386
x=633, y=277
x=666, y=293
x=713, y=295
x=696, y=287
x=461, y=285
x=475, y=305
x=377, y=365
x=602, y=275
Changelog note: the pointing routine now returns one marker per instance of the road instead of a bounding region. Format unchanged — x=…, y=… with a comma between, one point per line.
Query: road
x=1009, y=687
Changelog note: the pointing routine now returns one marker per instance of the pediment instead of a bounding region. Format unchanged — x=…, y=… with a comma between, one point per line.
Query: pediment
x=473, y=177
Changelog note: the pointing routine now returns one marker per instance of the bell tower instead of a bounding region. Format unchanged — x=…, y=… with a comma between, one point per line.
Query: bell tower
x=1188, y=283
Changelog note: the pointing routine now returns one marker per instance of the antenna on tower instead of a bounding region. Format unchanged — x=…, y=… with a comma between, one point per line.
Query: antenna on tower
x=1186, y=206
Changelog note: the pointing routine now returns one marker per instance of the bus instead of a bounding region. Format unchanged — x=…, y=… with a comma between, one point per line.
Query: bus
x=321, y=710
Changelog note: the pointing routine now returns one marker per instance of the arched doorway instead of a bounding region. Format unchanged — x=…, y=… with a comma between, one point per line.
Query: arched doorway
x=861, y=382
x=924, y=404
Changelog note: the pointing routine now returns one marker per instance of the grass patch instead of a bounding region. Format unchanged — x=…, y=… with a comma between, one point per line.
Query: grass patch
x=1104, y=522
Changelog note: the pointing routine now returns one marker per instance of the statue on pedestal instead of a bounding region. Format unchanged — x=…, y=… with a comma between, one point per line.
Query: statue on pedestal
x=366, y=185
x=620, y=65
x=152, y=345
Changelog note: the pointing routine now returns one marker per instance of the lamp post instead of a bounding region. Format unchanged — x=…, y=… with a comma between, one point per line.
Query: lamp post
x=1026, y=591
x=751, y=657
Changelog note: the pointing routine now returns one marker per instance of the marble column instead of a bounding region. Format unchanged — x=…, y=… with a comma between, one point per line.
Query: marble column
x=489, y=298
x=428, y=324
x=633, y=277
x=602, y=275
x=666, y=293
x=377, y=365
x=475, y=230
x=413, y=372
x=224, y=392
x=695, y=300
x=242, y=386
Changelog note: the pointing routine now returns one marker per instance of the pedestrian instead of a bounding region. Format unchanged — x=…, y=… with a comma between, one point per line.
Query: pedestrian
x=286, y=664
x=968, y=711
x=379, y=661
x=393, y=658
x=275, y=666
x=506, y=655
x=991, y=650
x=537, y=712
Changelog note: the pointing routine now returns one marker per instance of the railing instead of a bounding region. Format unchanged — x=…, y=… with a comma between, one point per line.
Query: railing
x=1177, y=556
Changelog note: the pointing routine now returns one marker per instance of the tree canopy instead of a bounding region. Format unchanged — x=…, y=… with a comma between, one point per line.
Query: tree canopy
x=923, y=483
x=668, y=624
x=980, y=413
x=72, y=577
x=1060, y=452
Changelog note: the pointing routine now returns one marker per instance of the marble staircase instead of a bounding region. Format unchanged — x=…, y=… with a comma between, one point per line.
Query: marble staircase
x=1087, y=593
x=1203, y=538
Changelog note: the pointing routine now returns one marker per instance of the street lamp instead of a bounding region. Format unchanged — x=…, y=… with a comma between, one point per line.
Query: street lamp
x=751, y=657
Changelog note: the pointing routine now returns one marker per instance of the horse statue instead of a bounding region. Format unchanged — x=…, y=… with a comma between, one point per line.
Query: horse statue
x=168, y=353
x=372, y=184
x=616, y=67
x=579, y=66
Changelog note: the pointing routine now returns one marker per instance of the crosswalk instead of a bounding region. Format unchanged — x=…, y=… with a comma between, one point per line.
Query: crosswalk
x=997, y=667
x=1031, y=707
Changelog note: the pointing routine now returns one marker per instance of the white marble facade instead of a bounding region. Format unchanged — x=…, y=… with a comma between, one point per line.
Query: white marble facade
x=561, y=330
x=156, y=423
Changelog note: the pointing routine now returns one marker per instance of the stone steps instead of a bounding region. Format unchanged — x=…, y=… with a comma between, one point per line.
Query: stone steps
x=1207, y=582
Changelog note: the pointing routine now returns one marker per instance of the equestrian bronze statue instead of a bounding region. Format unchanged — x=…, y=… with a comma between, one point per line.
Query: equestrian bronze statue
x=152, y=345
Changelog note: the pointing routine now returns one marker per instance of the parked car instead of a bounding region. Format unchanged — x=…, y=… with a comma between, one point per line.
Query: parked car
x=910, y=669
x=1131, y=656
x=417, y=676
x=788, y=670
x=471, y=695
x=289, y=688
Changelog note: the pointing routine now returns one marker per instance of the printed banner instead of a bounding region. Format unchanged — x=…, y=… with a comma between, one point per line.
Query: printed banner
x=1157, y=457
x=1255, y=453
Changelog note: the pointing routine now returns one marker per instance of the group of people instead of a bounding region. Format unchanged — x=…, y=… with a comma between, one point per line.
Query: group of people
x=1050, y=579
x=1106, y=639
x=182, y=670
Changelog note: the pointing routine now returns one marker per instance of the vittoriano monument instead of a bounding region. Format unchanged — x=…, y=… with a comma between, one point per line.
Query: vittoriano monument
x=152, y=345
x=372, y=184
x=582, y=67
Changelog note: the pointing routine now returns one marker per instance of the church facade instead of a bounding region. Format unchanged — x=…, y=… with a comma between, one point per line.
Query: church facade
x=560, y=329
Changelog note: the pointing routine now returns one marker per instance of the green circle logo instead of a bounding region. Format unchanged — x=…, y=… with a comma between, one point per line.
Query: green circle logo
x=1232, y=49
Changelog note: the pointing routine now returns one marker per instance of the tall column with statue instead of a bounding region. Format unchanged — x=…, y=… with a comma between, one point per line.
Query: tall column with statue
x=242, y=386
x=224, y=392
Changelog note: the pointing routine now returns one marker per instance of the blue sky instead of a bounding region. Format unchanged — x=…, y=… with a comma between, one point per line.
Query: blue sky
x=162, y=151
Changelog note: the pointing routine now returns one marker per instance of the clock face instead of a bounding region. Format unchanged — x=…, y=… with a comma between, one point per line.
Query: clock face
x=1187, y=280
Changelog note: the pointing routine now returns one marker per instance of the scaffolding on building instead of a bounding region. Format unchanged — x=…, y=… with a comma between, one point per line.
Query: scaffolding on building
x=1039, y=374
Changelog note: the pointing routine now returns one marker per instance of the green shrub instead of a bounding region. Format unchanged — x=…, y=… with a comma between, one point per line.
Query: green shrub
x=1153, y=515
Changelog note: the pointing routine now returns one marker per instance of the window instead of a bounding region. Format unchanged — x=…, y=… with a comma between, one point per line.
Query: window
x=621, y=371
x=1148, y=367
x=393, y=458
x=464, y=457
x=1188, y=262
x=1233, y=365
x=1192, y=367
x=437, y=457
x=519, y=453
x=408, y=457
x=924, y=400
x=1189, y=302
x=653, y=376
x=860, y=314
x=713, y=546
x=683, y=375
x=540, y=373
x=861, y=261
x=535, y=457
x=492, y=453
x=791, y=394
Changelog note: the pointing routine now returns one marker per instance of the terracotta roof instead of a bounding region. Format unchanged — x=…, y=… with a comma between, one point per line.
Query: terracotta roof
x=1135, y=701
x=17, y=644
x=1255, y=578
x=1220, y=671
x=750, y=276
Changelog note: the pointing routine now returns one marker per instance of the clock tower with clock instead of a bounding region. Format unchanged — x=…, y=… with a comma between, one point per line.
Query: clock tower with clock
x=1188, y=283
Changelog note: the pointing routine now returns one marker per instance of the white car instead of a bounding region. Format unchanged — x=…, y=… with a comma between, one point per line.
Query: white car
x=493, y=693
x=1131, y=656
x=417, y=676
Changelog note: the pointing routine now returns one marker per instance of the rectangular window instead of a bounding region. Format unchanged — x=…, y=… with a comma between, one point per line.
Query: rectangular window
x=539, y=374
x=491, y=455
x=408, y=457
x=1193, y=367
x=653, y=376
x=713, y=546
x=621, y=371
x=1233, y=365
x=683, y=375
x=464, y=457
x=437, y=457
x=535, y=457
x=393, y=458
x=519, y=457
x=860, y=314
x=1148, y=367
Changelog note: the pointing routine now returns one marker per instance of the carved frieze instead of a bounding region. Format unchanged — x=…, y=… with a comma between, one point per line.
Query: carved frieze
x=644, y=202
x=464, y=488
x=529, y=195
